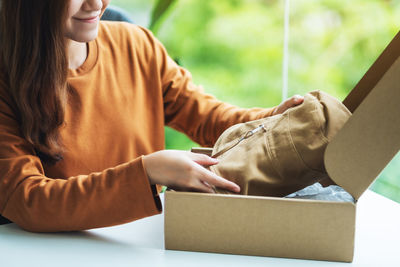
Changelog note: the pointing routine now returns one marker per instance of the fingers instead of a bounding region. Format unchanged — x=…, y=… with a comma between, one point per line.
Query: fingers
x=202, y=179
x=204, y=187
x=182, y=170
x=296, y=100
x=289, y=103
x=202, y=159
x=209, y=177
x=293, y=101
x=212, y=179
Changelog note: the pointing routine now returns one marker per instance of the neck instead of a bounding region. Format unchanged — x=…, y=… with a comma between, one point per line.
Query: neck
x=77, y=54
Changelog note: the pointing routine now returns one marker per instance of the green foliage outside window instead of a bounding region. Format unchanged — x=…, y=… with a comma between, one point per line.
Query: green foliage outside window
x=233, y=48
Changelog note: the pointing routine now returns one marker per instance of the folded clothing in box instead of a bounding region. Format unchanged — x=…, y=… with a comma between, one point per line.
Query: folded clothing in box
x=281, y=154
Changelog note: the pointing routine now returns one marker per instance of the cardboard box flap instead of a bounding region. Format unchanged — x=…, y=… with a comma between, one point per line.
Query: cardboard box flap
x=370, y=138
x=374, y=74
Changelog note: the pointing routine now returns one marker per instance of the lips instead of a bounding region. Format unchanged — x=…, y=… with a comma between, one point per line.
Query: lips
x=88, y=19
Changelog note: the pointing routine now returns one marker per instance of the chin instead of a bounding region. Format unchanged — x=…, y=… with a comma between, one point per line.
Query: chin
x=88, y=37
x=83, y=37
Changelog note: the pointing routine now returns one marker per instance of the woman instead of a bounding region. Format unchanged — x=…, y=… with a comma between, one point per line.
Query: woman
x=82, y=110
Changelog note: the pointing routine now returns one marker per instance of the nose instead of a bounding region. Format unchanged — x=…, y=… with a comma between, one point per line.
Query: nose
x=91, y=5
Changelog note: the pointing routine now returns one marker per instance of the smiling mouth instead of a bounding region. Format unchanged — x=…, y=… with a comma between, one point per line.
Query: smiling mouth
x=88, y=20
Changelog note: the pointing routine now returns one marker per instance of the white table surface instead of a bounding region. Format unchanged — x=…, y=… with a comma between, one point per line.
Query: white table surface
x=141, y=243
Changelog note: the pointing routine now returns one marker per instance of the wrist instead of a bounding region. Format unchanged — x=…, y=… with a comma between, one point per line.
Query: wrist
x=145, y=160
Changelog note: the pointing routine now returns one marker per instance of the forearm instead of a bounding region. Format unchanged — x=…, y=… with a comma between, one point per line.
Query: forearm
x=203, y=118
x=114, y=196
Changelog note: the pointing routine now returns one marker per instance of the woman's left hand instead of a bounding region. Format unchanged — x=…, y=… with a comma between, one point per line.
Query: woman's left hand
x=288, y=103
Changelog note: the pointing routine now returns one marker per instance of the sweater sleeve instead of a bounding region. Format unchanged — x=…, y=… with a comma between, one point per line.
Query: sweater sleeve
x=189, y=110
x=43, y=204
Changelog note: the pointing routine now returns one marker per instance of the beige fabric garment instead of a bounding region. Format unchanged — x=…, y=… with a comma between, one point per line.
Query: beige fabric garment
x=279, y=155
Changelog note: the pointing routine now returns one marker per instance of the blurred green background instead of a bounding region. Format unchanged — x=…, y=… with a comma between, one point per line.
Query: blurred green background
x=234, y=48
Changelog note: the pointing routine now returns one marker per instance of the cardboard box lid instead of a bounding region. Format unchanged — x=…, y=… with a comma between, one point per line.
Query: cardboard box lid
x=371, y=137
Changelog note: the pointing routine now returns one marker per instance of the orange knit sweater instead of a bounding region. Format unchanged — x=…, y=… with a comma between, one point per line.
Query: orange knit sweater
x=119, y=101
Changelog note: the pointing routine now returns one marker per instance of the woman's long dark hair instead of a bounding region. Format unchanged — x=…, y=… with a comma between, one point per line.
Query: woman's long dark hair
x=34, y=61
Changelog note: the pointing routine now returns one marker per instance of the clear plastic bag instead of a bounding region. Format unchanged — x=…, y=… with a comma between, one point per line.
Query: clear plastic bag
x=318, y=192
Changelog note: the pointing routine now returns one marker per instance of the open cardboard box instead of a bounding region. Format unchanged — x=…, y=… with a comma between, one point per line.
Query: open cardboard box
x=296, y=228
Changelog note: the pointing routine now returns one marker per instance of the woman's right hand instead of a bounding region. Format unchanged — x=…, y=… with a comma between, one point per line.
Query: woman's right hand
x=184, y=171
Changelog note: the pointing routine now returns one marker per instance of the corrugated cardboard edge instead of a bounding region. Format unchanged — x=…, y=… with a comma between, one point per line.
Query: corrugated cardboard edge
x=260, y=226
x=202, y=150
